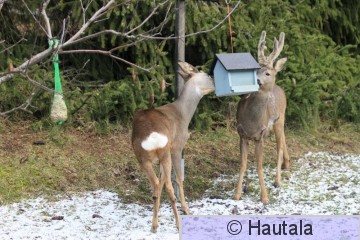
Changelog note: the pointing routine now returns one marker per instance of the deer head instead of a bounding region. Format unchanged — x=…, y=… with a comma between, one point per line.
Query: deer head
x=267, y=73
x=201, y=81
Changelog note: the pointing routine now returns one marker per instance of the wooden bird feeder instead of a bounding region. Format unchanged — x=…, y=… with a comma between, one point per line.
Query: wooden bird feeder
x=234, y=74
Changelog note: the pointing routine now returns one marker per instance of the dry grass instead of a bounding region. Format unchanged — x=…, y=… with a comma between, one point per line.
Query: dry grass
x=75, y=160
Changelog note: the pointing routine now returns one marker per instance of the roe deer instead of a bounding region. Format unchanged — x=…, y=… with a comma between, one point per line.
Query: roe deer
x=258, y=113
x=161, y=133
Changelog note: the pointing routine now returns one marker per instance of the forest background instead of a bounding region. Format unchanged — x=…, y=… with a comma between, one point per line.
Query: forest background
x=321, y=79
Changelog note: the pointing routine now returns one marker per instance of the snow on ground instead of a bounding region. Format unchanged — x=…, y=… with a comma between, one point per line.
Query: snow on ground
x=318, y=184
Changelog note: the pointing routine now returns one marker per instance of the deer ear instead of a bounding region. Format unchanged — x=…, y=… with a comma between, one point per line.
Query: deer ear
x=186, y=70
x=280, y=64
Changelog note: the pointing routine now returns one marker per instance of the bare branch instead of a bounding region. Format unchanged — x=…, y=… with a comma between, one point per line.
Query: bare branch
x=103, y=52
x=27, y=7
x=113, y=32
x=1, y=4
x=11, y=72
x=132, y=36
x=46, y=19
x=146, y=19
x=23, y=106
x=166, y=17
x=195, y=33
x=154, y=33
x=89, y=3
x=130, y=63
x=94, y=17
x=63, y=32
x=35, y=59
x=153, y=36
x=108, y=53
x=37, y=84
x=126, y=45
x=6, y=49
x=38, y=57
x=82, y=7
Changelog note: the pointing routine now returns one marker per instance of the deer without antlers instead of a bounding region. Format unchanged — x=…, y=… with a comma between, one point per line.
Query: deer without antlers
x=161, y=133
x=259, y=113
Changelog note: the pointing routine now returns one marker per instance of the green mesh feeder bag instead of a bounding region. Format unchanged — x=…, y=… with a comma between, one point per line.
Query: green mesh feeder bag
x=58, y=112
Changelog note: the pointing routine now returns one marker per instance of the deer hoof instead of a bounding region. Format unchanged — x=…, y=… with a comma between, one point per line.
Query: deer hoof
x=186, y=210
x=285, y=166
x=154, y=229
x=276, y=185
x=265, y=201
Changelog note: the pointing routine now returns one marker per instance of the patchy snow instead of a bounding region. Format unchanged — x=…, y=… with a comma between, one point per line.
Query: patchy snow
x=318, y=184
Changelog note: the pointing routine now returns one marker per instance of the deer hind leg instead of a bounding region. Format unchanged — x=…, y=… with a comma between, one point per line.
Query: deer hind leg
x=166, y=175
x=244, y=147
x=155, y=185
x=259, y=149
x=282, y=153
x=179, y=179
x=286, y=163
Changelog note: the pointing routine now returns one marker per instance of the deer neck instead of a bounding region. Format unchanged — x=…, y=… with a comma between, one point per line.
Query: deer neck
x=263, y=103
x=257, y=105
x=257, y=115
x=187, y=102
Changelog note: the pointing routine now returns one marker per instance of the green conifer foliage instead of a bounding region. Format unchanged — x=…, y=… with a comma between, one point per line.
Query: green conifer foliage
x=321, y=78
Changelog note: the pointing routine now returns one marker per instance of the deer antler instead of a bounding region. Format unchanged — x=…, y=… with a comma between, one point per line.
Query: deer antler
x=278, y=47
x=261, y=48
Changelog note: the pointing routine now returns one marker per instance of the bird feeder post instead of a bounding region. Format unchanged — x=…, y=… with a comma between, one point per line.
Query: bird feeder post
x=180, y=44
x=179, y=82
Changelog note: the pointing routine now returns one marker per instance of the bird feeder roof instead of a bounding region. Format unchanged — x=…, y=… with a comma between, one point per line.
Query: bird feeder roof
x=236, y=61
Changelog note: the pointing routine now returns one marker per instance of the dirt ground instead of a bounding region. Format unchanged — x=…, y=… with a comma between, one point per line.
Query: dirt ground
x=65, y=159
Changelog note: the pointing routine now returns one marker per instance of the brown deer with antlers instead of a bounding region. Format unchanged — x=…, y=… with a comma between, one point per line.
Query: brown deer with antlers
x=259, y=113
x=161, y=133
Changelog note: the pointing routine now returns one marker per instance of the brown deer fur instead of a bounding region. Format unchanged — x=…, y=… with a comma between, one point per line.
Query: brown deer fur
x=161, y=133
x=259, y=113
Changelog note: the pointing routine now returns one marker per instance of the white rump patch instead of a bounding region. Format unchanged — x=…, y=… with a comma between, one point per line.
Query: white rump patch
x=154, y=141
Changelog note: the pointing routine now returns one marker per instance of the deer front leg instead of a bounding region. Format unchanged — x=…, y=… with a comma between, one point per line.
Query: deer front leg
x=259, y=149
x=244, y=146
x=176, y=158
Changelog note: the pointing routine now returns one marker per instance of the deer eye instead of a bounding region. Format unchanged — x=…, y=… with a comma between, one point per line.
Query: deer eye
x=267, y=74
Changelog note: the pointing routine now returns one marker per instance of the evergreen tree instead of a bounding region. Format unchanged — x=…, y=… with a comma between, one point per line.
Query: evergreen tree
x=321, y=79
